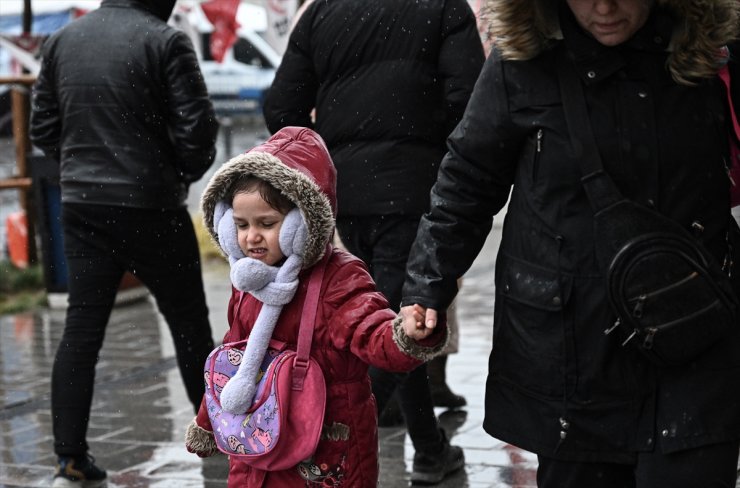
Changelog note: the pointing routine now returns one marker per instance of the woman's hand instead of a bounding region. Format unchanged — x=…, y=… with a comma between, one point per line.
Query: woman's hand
x=418, y=322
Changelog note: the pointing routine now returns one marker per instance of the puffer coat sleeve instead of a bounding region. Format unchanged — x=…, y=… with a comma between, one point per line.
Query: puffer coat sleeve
x=193, y=125
x=360, y=322
x=468, y=192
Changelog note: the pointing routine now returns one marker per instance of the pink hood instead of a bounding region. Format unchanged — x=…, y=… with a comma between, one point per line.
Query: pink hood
x=294, y=160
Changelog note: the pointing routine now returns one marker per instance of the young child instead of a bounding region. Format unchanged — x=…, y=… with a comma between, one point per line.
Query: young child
x=284, y=192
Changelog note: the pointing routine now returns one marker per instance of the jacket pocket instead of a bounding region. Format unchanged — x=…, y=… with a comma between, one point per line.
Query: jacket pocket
x=531, y=334
x=328, y=464
x=529, y=159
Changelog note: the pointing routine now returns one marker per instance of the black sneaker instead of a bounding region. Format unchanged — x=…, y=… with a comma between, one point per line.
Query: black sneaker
x=79, y=473
x=432, y=467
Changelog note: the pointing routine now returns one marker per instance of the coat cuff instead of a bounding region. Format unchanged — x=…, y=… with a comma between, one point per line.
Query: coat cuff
x=200, y=441
x=202, y=418
x=424, y=350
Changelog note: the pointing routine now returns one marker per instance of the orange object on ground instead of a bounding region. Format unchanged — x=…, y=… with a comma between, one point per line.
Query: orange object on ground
x=17, y=234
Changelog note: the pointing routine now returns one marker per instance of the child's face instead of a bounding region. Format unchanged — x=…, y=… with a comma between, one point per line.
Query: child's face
x=258, y=227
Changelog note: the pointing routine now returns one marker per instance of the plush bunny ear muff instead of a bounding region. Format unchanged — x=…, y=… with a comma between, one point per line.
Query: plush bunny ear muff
x=293, y=234
x=218, y=212
x=223, y=222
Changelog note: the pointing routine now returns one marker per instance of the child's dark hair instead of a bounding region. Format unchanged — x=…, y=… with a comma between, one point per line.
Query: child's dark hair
x=270, y=194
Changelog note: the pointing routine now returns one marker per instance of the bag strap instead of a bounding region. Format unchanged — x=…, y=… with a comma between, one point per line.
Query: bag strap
x=600, y=188
x=734, y=166
x=308, y=320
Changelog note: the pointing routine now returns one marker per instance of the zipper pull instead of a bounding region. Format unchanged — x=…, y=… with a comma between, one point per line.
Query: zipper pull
x=727, y=262
x=632, y=335
x=611, y=329
x=727, y=170
x=540, y=135
x=648, y=342
x=637, y=311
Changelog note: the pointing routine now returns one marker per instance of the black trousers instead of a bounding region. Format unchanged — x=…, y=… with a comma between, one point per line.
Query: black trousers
x=383, y=242
x=100, y=243
x=713, y=466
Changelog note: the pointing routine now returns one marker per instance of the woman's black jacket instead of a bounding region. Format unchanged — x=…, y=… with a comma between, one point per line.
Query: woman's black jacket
x=557, y=385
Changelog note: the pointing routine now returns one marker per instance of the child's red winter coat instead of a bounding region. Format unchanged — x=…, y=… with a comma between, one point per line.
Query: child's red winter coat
x=353, y=329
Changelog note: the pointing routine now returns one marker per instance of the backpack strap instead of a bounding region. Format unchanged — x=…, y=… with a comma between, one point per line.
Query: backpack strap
x=308, y=320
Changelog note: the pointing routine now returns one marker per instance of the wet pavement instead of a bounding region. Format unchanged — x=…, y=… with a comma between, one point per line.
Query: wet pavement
x=140, y=409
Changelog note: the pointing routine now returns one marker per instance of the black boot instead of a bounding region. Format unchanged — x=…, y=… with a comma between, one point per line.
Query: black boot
x=431, y=467
x=442, y=396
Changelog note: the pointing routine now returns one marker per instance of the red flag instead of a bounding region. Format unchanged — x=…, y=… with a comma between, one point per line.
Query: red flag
x=222, y=14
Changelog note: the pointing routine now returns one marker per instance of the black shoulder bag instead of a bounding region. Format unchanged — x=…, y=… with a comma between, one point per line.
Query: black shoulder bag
x=671, y=298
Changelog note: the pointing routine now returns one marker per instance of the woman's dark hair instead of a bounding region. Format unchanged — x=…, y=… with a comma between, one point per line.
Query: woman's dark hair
x=270, y=194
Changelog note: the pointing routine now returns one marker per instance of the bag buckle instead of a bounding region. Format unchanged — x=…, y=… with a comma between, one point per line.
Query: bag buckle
x=300, y=368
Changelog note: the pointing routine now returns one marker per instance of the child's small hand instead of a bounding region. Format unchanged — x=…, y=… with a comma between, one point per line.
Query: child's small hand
x=418, y=322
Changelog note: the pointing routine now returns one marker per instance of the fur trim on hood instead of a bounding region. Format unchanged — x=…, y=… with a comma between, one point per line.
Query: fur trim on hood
x=521, y=29
x=296, y=162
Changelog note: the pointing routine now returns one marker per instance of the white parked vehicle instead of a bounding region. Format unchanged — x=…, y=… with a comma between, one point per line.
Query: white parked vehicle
x=238, y=83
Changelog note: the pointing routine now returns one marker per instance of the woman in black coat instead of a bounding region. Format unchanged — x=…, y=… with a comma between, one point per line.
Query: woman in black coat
x=596, y=413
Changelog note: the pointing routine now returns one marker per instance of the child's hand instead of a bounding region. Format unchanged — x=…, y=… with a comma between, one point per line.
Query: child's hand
x=418, y=322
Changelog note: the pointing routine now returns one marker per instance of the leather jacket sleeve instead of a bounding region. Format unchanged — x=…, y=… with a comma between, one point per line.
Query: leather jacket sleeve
x=45, y=126
x=473, y=184
x=192, y=121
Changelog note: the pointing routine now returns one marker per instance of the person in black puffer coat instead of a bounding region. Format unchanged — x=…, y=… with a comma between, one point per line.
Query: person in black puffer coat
x=388, y=81
x=120, y=104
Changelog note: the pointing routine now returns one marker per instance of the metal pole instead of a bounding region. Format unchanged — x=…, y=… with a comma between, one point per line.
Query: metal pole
x=27, y=16
x=21, y=105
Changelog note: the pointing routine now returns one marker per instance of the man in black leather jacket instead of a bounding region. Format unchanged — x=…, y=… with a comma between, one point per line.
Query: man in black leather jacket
x=120, y=104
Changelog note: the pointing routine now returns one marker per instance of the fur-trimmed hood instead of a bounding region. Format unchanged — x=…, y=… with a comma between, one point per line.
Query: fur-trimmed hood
x=521, y=29
x=294, y=160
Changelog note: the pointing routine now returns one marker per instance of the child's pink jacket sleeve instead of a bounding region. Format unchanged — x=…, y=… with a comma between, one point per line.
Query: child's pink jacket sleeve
x=360, y=319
